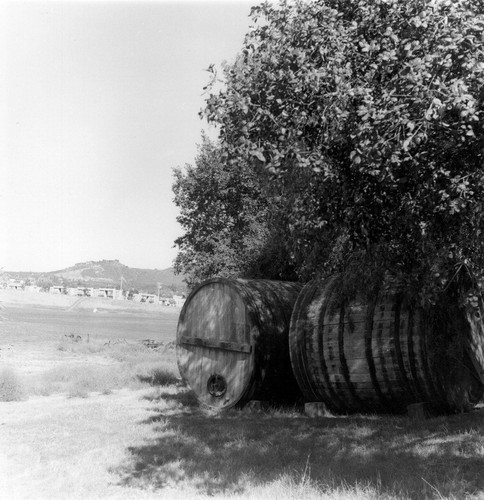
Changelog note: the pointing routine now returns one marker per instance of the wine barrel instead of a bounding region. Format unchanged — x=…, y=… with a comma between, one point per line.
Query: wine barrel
x=232, y=342
x=384, y=353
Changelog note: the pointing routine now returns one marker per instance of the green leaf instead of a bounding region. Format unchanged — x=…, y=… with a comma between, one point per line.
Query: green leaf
x=258, y=154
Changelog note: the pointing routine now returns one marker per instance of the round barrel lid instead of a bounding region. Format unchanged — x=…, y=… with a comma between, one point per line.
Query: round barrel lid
x=214, y=349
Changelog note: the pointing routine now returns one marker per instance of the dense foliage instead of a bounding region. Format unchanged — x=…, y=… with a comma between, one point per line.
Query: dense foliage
x=230, y=224
x=368, y=117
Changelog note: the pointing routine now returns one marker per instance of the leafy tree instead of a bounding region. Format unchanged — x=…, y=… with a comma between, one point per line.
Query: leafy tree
x=227, y=222
x=44, y=282
x=368, y=115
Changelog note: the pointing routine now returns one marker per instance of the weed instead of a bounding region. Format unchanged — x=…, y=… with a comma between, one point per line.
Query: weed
x=127, y=367
x=77, y=392
x=79, y=345
x=11, y=388
x=160, y=376
x=79, y=381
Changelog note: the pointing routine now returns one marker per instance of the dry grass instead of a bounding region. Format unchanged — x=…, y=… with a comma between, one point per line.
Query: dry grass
x=109, y=366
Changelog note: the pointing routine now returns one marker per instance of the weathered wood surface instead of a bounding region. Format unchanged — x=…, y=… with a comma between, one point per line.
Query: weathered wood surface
x=232, y=342
x=377, y=355
x=216, y=344
x=476, y=343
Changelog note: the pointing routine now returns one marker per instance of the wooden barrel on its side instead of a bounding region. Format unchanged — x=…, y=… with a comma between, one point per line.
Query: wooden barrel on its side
x=383, y=354
x=232, y=342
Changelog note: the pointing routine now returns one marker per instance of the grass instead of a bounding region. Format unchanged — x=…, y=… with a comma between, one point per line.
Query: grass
x=109, y=418
x=170, y=447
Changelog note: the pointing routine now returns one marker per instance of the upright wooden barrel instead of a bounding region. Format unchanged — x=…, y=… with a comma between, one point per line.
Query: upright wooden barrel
x=232, y=342
x=383, y=354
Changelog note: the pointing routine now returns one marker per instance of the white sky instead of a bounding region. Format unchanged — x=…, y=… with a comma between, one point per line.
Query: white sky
x=98, y=102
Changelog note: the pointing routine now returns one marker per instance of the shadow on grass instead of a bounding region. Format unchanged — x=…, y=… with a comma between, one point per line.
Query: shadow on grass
x=176, y=395
x=234, y=451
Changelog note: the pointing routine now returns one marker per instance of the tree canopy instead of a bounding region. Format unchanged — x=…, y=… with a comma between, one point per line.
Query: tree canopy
x=363, y=122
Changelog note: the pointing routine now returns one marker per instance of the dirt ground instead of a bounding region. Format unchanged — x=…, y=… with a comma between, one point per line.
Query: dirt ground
x=33, y=324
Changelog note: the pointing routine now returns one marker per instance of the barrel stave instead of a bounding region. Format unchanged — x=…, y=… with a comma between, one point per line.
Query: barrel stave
x=376, y=355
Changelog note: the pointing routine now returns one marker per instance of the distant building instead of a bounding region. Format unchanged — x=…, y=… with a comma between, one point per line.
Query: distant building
x=179, y=300
x=83, y=291
x=108, y=293
x=105, y=293
x=14, y=284
x=151, y=298
x=57, y=289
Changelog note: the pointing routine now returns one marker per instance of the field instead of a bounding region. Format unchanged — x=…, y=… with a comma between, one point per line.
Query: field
x=88, y=412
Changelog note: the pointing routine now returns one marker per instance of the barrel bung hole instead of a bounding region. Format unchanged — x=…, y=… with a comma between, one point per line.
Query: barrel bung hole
x=216, y=385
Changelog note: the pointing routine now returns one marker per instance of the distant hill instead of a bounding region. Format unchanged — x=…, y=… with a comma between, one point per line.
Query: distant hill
x=109, y=273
